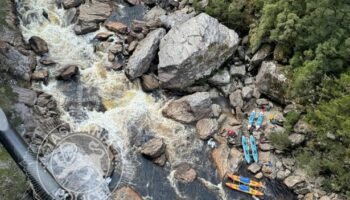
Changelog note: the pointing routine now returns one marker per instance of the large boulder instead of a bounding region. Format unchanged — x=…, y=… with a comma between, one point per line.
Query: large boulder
x=271, y=81
x=91, y=13
x=26, y=96
x=192, y=50
x=18, y=63
x=226, y=160
x=38, y=45
x=144, y=53
x=190, y=108
x=206, y=128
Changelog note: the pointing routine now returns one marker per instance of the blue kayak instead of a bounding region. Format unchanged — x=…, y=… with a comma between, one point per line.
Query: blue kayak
x=245, y=149
x=260, y=120
x=251, y=119
x=254, y=148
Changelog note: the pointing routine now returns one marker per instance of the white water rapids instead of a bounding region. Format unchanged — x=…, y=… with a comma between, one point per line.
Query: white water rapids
x=127, y=105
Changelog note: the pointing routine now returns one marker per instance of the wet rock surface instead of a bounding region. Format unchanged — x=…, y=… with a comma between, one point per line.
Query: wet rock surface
x=38, y=45
x=203, y=38
x=190, y=108
x=144, y=53
x=185, y=173
x=90, y=14
x=153, y=148
x=126, y=193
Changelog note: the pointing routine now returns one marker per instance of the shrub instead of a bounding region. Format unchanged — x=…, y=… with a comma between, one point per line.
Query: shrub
x=280, y=141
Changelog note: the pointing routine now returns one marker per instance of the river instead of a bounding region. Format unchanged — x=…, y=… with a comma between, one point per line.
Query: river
x=127, y=111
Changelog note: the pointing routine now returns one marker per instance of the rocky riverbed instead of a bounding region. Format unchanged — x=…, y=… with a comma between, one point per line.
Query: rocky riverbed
x=160, y=80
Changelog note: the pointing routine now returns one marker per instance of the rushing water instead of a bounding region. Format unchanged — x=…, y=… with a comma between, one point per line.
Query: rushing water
x=128, y=112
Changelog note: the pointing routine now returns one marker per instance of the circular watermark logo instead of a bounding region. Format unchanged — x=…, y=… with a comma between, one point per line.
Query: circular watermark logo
x=80, y=162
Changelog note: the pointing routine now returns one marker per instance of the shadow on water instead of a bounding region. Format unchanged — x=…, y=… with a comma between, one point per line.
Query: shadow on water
x=275, y=189
x=153, y=181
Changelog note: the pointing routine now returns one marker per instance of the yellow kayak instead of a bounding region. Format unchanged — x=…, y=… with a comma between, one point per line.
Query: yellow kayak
x=245, y=189
x=246, y=181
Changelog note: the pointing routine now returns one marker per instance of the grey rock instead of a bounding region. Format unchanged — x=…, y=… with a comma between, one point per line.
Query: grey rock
x=71, y=16
x=161, y=160
x=216, y=110
x=226, y=159
x=149, y=82
x=325, y=198
x=262, y=101
x=132, y=46
x=291, y=181
x=90, y=14
x=85, y=27
x=192, y=50
x=220, y=78
x=69, y=72
x=271, y=81
x=185, y=173
x=206, y=128
x=17, y=63
x=254, y=168
x=265, y=147
x=40, y=75
x=288, y=163
x=134, y=2
x=238, y=71
x=176, y=18
x=260, y=55
x=25, y=96
x=241, y=52
x=294, y=108
x=331, y=136
x=296, y=139
x=144, y=53
x=154, y=13
x=103, y=36
x=247, y=92
x=231, y=87
x=71, y=3
x=302, y=127
x=249, y=81
x=189, y=108
x=38, y=45
x=283, y=174
x=153, y=148
x=236, y=99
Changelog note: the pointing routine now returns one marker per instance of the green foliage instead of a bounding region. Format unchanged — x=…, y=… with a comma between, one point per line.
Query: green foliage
x=13, y=183
x=237, y=14
x=280, y=141
x=291, y=119
x=4, y=4
x=318, y=32
x=331, y=157
x=7, y=98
